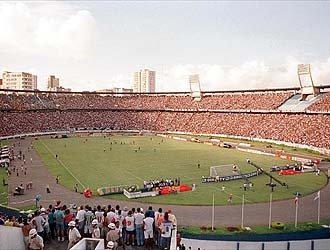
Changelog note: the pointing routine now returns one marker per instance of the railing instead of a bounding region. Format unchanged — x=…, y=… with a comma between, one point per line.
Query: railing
x=321, y=244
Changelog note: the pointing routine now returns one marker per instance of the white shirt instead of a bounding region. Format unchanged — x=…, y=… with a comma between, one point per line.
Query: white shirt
x=36, y=243
x=119, y=218
x=129, y=223
x=96, y=233
x=39, y=223
x=166, y=229
x=45, y=216
x=74, y=235
x=124, y=213
x=148, y=224
x=99, y=216
x=138, y=218
x=81, y=215
x=111, y=215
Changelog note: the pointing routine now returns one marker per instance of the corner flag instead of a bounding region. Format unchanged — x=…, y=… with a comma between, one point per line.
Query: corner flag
x=318, y=199
x=296, y=200
x=296, y=203
x=317, y=196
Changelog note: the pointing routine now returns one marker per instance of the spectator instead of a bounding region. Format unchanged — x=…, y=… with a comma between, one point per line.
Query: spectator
x=59, y=220
x=148, y=225
x=26, y=230
x=138, y=220
x=74, y=235
x=96, y=234
x=166, y=232
x=35, y=241
x=113, y=235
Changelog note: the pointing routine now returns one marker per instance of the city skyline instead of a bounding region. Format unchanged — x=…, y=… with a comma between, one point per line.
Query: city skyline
x=231, y=45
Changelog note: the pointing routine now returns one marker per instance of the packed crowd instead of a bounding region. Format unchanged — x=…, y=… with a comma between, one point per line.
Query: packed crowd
x=117, y=226
x=223, y=101
x=307, y=129
x=321, y=105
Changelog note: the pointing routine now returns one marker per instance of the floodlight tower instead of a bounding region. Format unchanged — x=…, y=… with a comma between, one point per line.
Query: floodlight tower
x=195, y=87
x=306, y=81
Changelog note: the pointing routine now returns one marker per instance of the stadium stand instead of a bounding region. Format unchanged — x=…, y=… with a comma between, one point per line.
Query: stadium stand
x=322, y=105
x=248, y=114
x=228, y=101
x=307, y=129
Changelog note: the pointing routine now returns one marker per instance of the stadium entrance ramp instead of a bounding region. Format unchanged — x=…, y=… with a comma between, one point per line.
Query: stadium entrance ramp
x=294, y=104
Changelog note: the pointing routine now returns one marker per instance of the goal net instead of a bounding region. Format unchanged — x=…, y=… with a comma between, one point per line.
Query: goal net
x=222, y=170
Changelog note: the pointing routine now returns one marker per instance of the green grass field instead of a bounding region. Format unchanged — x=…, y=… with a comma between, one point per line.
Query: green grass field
x=99, y=162
x=3, y=189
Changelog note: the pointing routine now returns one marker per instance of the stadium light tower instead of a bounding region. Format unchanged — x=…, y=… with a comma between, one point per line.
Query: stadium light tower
x=195, y=87
x=306, y=81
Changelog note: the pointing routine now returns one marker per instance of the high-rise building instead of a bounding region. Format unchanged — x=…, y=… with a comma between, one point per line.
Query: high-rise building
x=19, y=80
x=34, y=82
x=145, y=81
x=53, y=83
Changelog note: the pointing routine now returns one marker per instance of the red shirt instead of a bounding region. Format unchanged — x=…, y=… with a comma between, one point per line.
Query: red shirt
x=68, y=217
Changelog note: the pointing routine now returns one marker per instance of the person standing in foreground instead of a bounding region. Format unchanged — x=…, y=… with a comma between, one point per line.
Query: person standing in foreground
x=74, y=235
x=166, y=232
x=113, y=235
x=96, y=233
x=26, y=230
x=138, y=218
x=35, y=242
x=148, y=225
x=110, y=245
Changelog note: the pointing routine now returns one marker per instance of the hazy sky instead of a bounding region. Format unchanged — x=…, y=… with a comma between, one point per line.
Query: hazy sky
x=231, y=45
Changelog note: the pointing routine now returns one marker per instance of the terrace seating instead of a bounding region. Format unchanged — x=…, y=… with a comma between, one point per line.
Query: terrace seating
x=44, y=112
x=226, y=101
x=322, y=104
x=308, y=129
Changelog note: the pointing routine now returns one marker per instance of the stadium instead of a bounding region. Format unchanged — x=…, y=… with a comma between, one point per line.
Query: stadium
x=60, y=140
x=164, y=125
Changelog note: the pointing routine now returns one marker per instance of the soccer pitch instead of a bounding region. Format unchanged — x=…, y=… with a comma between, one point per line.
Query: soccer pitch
x=126, y=160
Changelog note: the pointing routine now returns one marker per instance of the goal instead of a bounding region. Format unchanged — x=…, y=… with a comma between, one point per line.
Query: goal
x=222, y=170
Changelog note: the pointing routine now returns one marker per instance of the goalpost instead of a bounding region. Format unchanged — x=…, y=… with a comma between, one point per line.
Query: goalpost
x=222, y=170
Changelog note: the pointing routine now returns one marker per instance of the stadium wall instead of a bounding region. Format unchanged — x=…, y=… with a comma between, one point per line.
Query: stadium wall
x=11, y=238
x=321, y=244
x=289, y=144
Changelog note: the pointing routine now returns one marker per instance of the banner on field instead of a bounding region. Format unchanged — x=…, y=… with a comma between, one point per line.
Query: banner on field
x=206, y=179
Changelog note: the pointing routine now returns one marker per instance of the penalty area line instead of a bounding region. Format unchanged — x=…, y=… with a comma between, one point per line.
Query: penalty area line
x=133, y=175
x=190, y=178
x=63, y=165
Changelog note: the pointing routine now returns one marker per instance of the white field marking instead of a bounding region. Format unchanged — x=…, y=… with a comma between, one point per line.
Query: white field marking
x=19, y=202
x=131, y=174
x=239, y=197
x=190, y=178
x=50, y=151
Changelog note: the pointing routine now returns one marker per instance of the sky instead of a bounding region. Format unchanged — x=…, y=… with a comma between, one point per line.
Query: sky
x=231, y=45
